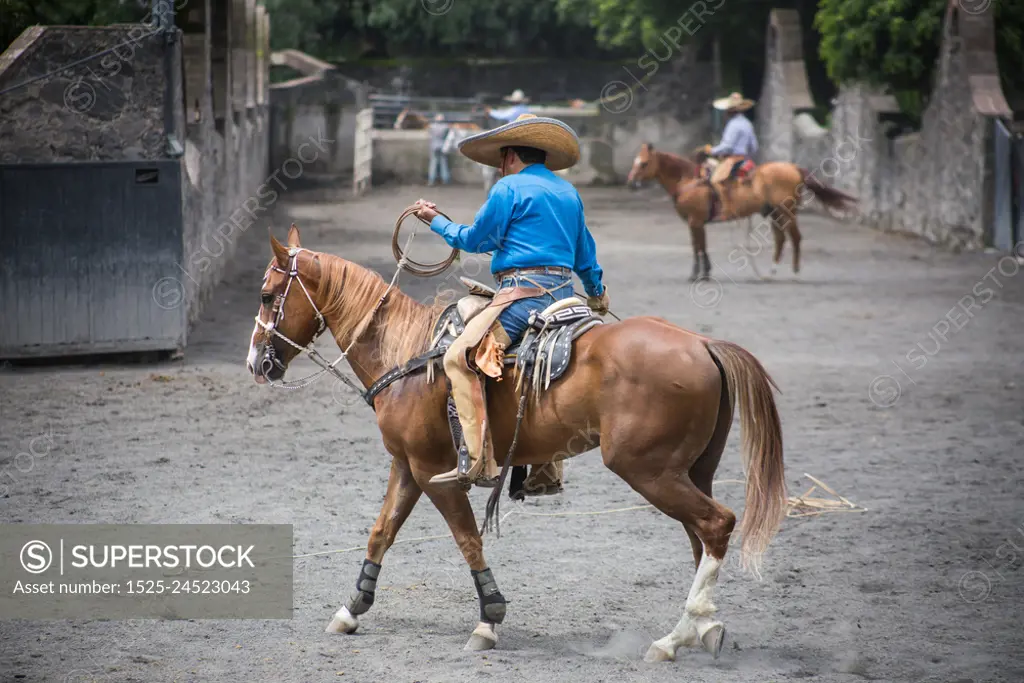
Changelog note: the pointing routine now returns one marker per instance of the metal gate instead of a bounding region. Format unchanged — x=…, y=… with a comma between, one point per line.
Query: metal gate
x=90, y=256
x=362, y=166
x=1002, y=210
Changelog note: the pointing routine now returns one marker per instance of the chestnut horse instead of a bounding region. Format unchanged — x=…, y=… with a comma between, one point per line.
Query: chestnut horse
x=657, y=399
x=407, y=119
x=774, y=190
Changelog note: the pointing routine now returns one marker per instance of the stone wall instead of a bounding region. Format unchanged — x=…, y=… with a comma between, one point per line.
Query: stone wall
x=155, y=99
x=109, y=108
x=320, y=105
x=491, y=79
x=659, y=98
x=403, y=156
x=227, y=138
x=935, y=183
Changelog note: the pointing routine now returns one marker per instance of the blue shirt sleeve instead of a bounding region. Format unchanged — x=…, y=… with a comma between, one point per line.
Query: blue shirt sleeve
x=489, y=225
x=506, y=114
x=586, y=259
x=729, y=138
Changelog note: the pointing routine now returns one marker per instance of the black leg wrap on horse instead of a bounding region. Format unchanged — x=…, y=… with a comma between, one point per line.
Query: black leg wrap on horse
x=492, y=602
x=366, y=586
x=705, y=265
x=517, y=483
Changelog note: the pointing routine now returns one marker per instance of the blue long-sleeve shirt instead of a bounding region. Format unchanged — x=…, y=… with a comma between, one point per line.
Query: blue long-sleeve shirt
x=509, y=113
x=737, y=138
x=530, y=219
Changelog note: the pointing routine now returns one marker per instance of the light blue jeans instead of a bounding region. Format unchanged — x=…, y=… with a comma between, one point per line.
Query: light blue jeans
x=516, y=318
x=438, y=160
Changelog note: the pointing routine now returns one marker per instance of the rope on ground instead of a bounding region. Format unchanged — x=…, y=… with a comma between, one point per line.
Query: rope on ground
x=532, y=514
x=805, y=506
x=797, y=506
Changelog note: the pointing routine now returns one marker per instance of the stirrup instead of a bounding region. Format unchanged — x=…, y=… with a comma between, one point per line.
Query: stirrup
x=465, y=466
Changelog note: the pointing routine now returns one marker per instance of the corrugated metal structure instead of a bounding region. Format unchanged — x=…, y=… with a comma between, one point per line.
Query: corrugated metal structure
x=90, y=258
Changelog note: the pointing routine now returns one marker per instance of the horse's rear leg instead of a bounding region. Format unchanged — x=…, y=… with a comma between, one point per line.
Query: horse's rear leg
x=675, y=494
x=702, y=472
x=711, y=523
x=697, y=626
x=401, y=497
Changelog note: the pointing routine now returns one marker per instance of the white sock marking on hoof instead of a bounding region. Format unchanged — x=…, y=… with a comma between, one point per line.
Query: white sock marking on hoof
x=343, y=622
x=484, y=638
x=657, y=653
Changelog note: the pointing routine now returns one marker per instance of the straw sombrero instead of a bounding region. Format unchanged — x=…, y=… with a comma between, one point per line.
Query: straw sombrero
x=734, y=102
x=551, y=135
x=517, y=97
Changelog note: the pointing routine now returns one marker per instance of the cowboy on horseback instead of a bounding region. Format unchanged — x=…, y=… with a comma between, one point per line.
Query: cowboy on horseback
x=533, y=222
x=732, y=158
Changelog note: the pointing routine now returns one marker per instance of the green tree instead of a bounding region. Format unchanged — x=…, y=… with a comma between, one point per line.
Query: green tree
x=429, y=28
x=17, y=15
x=661, y=26
x=895, y=44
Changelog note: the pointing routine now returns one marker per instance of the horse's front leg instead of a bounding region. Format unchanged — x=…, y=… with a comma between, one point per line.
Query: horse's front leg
x=402, y=494
x=453, y=504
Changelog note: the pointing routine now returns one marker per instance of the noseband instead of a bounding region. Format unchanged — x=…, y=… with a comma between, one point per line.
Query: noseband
x=277, y=315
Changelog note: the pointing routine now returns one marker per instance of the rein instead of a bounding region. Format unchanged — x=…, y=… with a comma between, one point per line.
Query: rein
x=314, y=355
x=404, y=263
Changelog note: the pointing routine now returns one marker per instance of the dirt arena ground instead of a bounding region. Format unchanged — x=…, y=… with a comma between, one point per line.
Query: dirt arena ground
x=920, y=421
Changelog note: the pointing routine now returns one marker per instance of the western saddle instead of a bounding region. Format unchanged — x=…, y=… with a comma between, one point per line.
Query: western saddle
x=539, y=358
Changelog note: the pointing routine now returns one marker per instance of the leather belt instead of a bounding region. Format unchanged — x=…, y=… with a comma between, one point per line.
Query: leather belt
x=537, y=270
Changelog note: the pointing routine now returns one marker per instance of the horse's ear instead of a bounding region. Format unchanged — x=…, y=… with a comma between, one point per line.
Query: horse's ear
x=280, y=252
x=650, y=147
x=293, y=236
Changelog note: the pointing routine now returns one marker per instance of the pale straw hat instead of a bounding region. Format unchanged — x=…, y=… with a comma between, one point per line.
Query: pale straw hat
x=551, y=135
x=517, y=96
x=734, y=102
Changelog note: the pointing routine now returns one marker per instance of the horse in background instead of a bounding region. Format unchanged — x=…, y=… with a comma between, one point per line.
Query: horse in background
x=407, y=119
x=774, y=190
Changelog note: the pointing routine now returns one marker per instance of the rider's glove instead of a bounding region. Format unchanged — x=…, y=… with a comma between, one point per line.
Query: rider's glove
x=599, y=304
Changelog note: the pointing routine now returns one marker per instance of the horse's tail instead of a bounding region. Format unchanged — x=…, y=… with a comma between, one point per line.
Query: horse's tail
x=829, y=196
x=761, y=448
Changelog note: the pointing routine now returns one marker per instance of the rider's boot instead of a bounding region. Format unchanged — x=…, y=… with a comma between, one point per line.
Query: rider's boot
x=476, y=463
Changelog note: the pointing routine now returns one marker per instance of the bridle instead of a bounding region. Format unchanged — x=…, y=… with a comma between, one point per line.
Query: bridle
x=270, y=360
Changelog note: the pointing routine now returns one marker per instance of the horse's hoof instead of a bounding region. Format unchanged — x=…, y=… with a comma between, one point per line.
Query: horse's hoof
x=483, y=638
x=343, y=622
x=713, y=639
x=656, y=654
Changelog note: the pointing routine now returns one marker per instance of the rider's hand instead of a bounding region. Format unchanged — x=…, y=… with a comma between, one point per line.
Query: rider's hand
x=425, y=210
x=599, y=304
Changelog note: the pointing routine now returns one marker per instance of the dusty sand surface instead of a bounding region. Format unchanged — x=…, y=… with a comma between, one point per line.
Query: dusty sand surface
x=925, y=586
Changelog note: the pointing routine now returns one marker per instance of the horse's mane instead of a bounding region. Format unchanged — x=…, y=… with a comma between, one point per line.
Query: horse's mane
x=348, y=292
x=677, y=164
